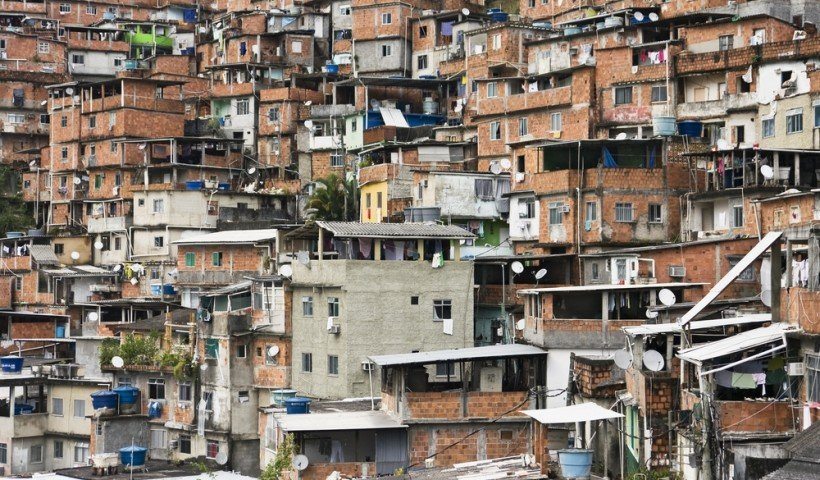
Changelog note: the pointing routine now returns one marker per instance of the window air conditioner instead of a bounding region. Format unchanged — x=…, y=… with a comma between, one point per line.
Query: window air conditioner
x=368, y=366
x=677, y=271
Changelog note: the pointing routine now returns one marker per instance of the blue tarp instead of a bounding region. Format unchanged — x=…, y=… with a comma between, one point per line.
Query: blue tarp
x=652, y=158
x=189, y=15
x=609, y=161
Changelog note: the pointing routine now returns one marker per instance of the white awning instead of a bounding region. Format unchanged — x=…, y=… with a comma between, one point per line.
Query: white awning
x=738, y=343
x=393, y=117
x=583, y=412
x=324, y=422
x=488, y=352
x=660, y=328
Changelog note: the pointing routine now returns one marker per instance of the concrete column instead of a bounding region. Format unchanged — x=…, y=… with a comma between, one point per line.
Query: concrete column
x=456, y=250
x=377, y=253
x=421, y=250
x=776, y=270
x=796, y=169
x=321, y=248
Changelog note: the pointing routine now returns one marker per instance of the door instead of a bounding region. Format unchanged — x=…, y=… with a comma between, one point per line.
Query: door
x=391, y=451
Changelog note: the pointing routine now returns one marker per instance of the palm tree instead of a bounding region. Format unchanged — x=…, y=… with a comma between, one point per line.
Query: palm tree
x=334, y=199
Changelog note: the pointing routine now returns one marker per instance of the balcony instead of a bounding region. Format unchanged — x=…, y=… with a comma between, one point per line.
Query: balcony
x=16, y=263
x=524, y=101
x=31, y=425
x=108, y=224
x=219, y=89
x=716, y=108
x=756, y=418
x=325, y=142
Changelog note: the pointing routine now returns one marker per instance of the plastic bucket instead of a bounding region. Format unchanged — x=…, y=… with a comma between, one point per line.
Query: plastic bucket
x=575, y=462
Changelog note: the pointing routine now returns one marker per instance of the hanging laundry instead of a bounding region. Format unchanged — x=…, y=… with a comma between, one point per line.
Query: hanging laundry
x=776, y=363
x=411, y=251
x=724, y=378
x=336, y=452
x=447, y=324
x=662, y=56
x=721, y=167
x=743, y=380
x=747, y=77
x=609, y=160
x=365, y=247
x=754, y=366
x=438, y=260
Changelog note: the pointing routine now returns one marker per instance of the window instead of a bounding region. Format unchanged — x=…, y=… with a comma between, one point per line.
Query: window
x=307, y=362
x=90, y=10
x=592, y=211
x=423, y=31
x=497, y=41
x=65, y=8
x=64, y=121
x=387, y=18
x=387, y=50
x=159, y=438
x=332, y=364
x=531, y=3
x=125, y=382
x=737, y=215
x=654, y=213
x=209, y=401
x=596, y=274
x=495, y=130
x=243, y=396
x=156, y=388
x=296, y=46
x=422, y=62
x=118, y=62
x=623, y=95
x=492, y=89
x=445, y=369
x=354, y=125
x=527, y=208
x=98, y=181
x=241, y=351
x=555, y=122
x=725, y=42
x=185, y=444
x=623, y=212
x=35, y=454
x=812, y=387
x=16, y=118
x=4, y=453
x=273, y=114
x=77, y=59
x=58, y=449
x=117, y=243
x=414, y=300
x=216, y=259
x=159, y=205
x=337, y=160
x=816, y=115
x=759, y=35
x=184, y=392
x=57, y=406
x=211, y=449
x=794, y=120
x=159, y=242
x=307, y=306
x=344, y=10
x=332, y=306
x=243, y=106
x=79, y=408
x=270, y=355
x=747, y=275
x=659, y=93
x=523, y=127
x=442, y=310
x=556, y=216
x=211, y=348
x=768, y=127
x=43, y=47
x=190, y=259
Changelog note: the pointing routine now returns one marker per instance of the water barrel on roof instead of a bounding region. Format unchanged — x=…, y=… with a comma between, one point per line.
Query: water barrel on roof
x=664, y=125
x=133, y=456
x=297, y=405
x=575, y=462
x=11, y=364
x=104, y=399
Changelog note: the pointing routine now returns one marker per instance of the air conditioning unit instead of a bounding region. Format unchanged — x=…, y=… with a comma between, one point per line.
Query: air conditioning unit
x=368, y=366
x=334, y=329
x=677, y=271
x=564, y=208
x=797, y=369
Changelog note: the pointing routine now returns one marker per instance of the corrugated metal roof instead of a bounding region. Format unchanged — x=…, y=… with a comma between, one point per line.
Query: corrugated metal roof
x=79, y=271
x=395, y=230
x=608, y=286
x=229, y=236
x=323, y=422
x=582, y=412
x=737, y=343
x=236, y=287
x=471, y=353
x=44, y=255
x=652, y=329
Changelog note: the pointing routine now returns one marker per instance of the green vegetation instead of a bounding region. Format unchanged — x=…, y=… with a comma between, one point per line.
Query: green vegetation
x=334, y=199
x=13, y=213
x=145, y=351
x=282, y=461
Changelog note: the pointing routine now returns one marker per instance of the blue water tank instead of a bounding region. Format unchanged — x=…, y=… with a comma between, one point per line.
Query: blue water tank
x=664, y=126
x=133, y=456
x=690, y=128
x=104, y=399
x=224, y=186
x=296, y=405
x=575, y=462
x=128, y=399
x=195, y=184
x=23, y=409
x=60, y=331
x=332, y=68
x=12, y=364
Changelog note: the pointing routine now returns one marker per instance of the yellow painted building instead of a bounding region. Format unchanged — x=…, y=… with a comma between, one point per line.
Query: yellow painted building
x=373, y=201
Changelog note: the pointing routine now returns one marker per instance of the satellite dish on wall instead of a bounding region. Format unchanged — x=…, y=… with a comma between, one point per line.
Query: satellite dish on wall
x=143, y=146
x=308, y=103
x=495, y=168
x=77, y=180
x=117, y=268
x=134, y=281
x=203, y=367
x=505, y=163
x=465, y=11
x=300, y=462
x=639, y=16
x=69, y=91
x=98, y=245
x=767, y=172
x=651, y=314
x=667, y=297
x=520, y=324
x=252, y=170
x=540, y=274
x=221, y=458
x=309, y=124
x=620, y=136
x=75, y=255
x=766, y=297
x=93, y=317
x=273, y=350
x=517, y=267
x=117, y=362
x=623, y=359
x=653, y=360
x=286, y=270
x=653, y=16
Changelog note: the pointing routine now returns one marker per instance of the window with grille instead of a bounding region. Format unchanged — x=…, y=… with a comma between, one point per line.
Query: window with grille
x=523, y=126
x=211, y=348
x=794, y=120
x=211, y=449
x=556, y=216
x=243, y=107
x=332, y=365
x=623, y=95
x=654, y=213
x=623, y=212
x=726, y=42
x=159, y=439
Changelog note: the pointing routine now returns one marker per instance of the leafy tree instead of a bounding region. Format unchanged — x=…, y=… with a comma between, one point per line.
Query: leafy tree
x=334, y=199
x=13, y=212
x=276, y=469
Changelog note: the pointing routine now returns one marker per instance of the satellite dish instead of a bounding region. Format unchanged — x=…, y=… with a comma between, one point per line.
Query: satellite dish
x=117, y=268
x=767, y=172
x=465, y=11
x=93, y=316
x=309, y=124
x=520, y=324
x=653, y=360
x=134, y=281
x=517, y=267
x=639, y=16
x=77, y=180
x=273, y=350
x=203, y=367
x=458, y=108
x=286, y=270
x=252, y=170
x=300, y=462
x=653, y=17
x=766, y=297
x=98, y=245
x=143, y=146
x=69, y=91
x=540, y=274
x=495, y=168
x=75, y=255
x=308, y=103
x=505, y=163
x=620, y=136
x=221, y=458
x=667, y=297
x=623, y=359
x=651, y=314
x=117, y=362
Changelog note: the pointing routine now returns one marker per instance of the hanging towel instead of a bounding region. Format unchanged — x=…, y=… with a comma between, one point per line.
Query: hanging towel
x=776, y=377
x=200, y=424
x=652, y=158
x=754, y=366
x=337, y=455
x=438, y=260
x=724, y=378
x=411, y=251
x=609, y=161
x=365, y=247
x=747, y=77
x=743, y=380
x=448, y=326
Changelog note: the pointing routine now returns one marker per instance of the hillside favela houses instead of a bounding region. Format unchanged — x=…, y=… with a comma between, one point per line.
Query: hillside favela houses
x=434, y=239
